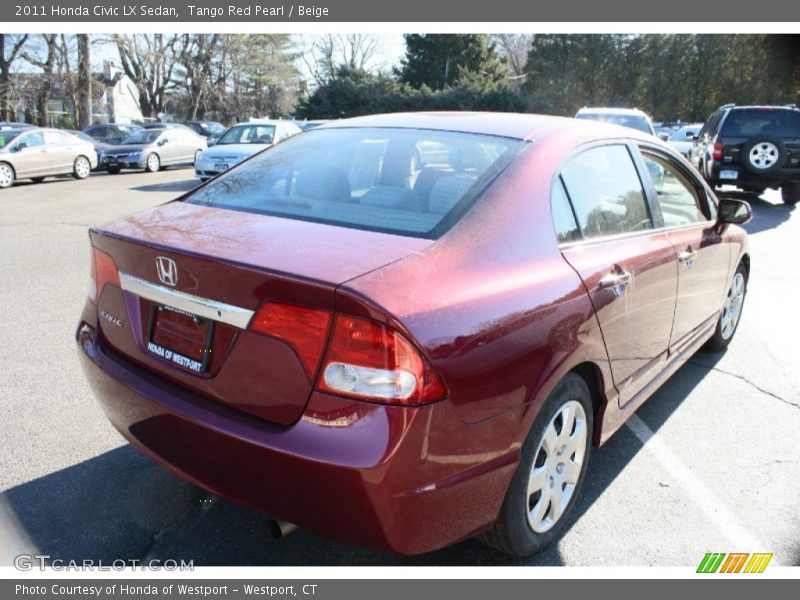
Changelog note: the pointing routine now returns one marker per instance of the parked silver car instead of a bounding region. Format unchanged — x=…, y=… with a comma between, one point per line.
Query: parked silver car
x=152, y=149
x=240, y=142
x=36, y=153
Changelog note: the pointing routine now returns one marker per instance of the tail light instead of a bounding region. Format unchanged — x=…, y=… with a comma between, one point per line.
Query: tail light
x=103, y=270
x=368, y=360
x=716, y=151
x=304, y=329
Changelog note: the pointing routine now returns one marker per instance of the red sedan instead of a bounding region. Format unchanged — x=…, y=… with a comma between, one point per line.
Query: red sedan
x=400, y=331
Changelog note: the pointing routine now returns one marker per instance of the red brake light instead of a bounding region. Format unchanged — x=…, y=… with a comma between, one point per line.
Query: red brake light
x=716, y=153
x=304, y=329
x=103, y=270
x=368, y=360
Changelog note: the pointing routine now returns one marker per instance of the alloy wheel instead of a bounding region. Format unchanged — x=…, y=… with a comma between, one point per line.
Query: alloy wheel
x=6, y=176
x=153, y=163
x=732, y=309
x=764, y=155
x=557, y=466
x=82, y=167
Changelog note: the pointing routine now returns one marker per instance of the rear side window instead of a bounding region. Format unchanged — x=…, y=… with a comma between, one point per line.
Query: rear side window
x=403, y=181
x=750, y=122
x=563, y=217
x=606, y=192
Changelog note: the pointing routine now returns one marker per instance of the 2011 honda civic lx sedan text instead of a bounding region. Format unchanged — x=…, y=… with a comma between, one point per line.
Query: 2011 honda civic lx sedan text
x=401, y=331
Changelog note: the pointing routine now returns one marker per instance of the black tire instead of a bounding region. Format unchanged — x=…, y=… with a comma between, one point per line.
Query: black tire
x=153, y=163
x=790, y=193
x=37, y=179
x=767, y=140
x=721, y=338
x=81, y=168
x=113, y=170
x=512, y=532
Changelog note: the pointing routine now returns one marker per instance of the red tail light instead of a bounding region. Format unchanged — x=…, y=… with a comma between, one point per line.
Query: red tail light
x=304, y=329
x=103, y=270
x=716, y=151
x=369, y=360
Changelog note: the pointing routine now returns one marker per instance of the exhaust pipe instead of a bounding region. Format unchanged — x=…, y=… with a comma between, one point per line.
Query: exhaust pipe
x=280, y=529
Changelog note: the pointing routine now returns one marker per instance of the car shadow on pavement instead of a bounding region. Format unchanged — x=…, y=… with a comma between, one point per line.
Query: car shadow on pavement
x=766, y=215
x=184, y=185
x=120, y=505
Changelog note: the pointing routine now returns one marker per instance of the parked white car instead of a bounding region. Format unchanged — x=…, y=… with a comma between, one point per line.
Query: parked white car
x=240, y=142
x=626, y=117
x=683, y=138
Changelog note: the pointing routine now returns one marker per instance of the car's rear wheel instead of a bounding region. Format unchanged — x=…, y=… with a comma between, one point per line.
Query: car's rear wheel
x=731, y=311
x=153, y=163
x=81, y=168
x=6, y=175
x=545, y=487
x=790, y=193
x=113, y=170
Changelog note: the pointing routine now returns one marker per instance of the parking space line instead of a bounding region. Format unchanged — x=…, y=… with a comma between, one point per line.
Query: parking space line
x=702, y=496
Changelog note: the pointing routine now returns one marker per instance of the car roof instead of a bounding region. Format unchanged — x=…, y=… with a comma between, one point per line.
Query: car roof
x=511, y=125
x=610, y=110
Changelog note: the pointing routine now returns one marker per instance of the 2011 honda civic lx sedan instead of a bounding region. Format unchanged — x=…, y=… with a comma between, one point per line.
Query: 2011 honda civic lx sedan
x=401, y=331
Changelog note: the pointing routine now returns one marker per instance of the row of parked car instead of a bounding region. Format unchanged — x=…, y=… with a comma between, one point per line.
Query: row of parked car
x=752, y=148
x=29, y=152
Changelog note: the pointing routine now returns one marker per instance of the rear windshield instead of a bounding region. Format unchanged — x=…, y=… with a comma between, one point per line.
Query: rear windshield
x=404, y=181
x=632, y=121
x=747, y=122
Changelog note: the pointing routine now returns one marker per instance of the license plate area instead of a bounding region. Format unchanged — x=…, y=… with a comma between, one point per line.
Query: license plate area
x=179, y=337
x=728, y=174
x=219, y=167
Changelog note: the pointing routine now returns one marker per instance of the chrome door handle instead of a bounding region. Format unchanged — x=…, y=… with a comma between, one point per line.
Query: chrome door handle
x=616, y=282
x=687, y=258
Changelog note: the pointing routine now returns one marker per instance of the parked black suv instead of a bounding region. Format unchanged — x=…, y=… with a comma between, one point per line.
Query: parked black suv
x=752, y=148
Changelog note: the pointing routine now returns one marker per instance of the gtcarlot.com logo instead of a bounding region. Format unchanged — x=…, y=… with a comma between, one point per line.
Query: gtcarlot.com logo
x=735, y=562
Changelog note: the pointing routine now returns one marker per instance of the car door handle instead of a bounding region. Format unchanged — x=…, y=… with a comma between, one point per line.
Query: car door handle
x=617, y=282
x=687, y=258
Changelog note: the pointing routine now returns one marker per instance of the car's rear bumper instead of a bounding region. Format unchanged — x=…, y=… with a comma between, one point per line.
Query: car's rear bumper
x=407, y=480
x=749, y=178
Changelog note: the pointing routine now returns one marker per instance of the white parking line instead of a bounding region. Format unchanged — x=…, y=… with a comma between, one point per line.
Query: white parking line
x=706, y=500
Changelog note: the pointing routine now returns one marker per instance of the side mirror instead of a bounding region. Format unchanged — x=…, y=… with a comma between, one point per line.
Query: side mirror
x=695, y=138
x=664, y=137
x=20, y=146
x=732, y=211
x=690, y=136
x=163, y=141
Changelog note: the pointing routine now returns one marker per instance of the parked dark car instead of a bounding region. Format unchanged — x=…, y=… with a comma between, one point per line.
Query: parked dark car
x=401, y=331
x=110, y=133
x=211, y=130
x=752, y=148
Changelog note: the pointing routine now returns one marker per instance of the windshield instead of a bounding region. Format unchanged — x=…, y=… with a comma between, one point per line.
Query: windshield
x=403, y=181
x=685, y=134
x=248, y=134
x=632, y=121
x=6, y=137
x=143, y=136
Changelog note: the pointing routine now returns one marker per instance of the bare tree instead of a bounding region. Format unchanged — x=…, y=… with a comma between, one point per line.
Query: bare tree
x=149, y=60
x=196, y=57
x=324, y=55
x=10, y=48
x=44, y=59
x=84, y=82
x=514, y=47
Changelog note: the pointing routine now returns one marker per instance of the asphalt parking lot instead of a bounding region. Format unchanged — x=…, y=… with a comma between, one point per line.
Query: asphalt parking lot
x=710, y=464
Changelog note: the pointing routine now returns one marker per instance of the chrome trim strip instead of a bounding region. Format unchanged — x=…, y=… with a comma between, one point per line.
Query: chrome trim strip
x=202, y=307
